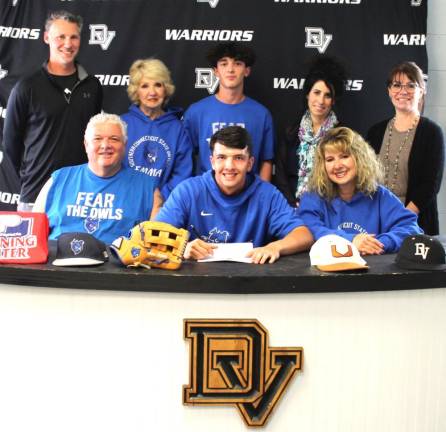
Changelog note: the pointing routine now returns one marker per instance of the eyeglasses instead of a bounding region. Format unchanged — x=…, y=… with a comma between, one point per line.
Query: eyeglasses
x=410, y=87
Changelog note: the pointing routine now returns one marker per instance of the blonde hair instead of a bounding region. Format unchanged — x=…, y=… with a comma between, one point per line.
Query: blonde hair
x=368, y=167
x=149, y=69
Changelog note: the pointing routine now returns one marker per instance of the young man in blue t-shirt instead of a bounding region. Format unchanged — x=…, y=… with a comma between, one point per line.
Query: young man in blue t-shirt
x=232, y=63
x=229, y=204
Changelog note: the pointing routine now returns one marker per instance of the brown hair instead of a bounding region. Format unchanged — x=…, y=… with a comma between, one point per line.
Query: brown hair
x=411, y=70
x=414, y=73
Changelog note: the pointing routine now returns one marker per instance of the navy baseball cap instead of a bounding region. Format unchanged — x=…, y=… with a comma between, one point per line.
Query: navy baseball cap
x=79, y=249
x=421, y=252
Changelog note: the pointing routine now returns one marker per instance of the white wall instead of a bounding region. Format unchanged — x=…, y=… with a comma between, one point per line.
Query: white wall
x=94, y=361
x=436, y=96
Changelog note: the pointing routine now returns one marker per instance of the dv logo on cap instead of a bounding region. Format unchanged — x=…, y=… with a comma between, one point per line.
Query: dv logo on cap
x=421, y=250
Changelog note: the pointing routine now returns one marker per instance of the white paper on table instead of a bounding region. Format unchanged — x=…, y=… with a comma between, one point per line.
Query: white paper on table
x=230, y=252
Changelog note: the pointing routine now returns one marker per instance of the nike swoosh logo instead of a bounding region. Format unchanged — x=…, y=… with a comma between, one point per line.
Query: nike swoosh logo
x=205, y=214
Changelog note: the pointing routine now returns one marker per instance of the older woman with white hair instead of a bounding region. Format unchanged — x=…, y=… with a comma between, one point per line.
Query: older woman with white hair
x=158, y=145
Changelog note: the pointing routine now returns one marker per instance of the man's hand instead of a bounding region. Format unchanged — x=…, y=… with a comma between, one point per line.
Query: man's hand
x=367, y=244
x=268, y=253
x=199, y=249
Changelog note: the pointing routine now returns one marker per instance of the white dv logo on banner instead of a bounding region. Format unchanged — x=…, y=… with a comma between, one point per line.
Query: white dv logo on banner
x=205, y=78
x=100, y=35
x=212, y=3
x=416, y=2
x=316, y=38
x=3, y=72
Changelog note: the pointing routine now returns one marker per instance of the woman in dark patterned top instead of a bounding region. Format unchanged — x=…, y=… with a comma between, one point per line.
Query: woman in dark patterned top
x=324, y=84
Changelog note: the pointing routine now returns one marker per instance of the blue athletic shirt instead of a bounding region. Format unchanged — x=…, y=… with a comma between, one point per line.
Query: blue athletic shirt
x=105, y=207
x=258, y=214
x=205, y=117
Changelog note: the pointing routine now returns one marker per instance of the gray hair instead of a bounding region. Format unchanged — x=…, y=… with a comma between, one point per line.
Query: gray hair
x=63, y=15
x=105, y=118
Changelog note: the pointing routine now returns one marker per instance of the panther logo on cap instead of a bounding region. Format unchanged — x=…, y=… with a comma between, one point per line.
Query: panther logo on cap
x=77, y=246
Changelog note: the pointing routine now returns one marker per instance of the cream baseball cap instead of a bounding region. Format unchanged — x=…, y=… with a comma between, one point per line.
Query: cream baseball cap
x=334, y=253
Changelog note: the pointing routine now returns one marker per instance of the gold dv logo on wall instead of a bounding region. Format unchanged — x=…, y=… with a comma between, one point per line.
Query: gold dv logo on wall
x=232, y=364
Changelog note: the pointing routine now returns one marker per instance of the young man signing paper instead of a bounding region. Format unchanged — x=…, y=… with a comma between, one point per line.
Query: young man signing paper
x=229, y=204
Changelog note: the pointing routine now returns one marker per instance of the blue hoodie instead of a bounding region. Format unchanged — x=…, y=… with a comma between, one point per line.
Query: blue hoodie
x=382, y=214
x=159, y=148
x=258, y=214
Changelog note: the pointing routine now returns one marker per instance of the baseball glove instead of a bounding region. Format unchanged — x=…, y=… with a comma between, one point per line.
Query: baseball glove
x=152, y=244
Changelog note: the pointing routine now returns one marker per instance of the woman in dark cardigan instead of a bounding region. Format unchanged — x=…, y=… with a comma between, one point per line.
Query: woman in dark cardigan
x=324, y=84
x=411, y=147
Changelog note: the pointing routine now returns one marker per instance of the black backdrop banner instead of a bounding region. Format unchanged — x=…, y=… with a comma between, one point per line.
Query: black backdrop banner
x=369, y=36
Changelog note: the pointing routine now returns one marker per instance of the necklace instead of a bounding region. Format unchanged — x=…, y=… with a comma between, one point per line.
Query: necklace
x=387, y=182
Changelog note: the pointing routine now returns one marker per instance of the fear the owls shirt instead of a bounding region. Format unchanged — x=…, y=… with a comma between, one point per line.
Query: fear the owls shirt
x=105, y=207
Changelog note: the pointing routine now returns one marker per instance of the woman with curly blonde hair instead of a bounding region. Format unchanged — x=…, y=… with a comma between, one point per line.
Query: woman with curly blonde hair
x=345, y=197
